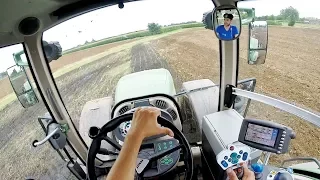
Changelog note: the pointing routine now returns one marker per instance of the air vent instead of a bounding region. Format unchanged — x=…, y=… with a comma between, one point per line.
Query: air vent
x=161, y=104
x=123, y=110
x=172, y=113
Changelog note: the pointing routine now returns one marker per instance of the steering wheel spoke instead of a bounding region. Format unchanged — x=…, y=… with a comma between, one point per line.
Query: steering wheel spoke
x=112, y=142
x=164, y=153
x=104, y=151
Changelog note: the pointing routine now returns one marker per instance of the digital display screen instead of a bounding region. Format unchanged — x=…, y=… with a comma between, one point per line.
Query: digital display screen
x=261, y=134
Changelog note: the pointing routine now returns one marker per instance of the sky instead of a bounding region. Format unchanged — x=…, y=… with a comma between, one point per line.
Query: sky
x=134, y=16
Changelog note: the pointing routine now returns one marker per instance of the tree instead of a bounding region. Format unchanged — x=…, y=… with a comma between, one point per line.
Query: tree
x=154, y=28
x=272, y=18
x=291, y=14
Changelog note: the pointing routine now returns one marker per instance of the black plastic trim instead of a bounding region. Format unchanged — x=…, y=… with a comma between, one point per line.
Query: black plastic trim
x=81, y=7
x=220, y=57
x=306, y=173
x=228, y=96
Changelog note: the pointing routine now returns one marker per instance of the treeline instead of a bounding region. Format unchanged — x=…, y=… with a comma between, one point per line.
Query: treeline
x=288, y=15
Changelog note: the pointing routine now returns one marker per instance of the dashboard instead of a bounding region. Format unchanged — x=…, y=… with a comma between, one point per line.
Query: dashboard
x=168, y=106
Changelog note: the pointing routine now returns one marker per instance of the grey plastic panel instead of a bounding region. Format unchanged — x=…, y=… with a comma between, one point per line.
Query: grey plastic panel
x=202, y=102
x=223, y=128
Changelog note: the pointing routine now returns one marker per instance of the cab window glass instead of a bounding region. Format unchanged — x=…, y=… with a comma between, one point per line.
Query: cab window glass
x=19, y=126
x=291, y=69
x=100, y=47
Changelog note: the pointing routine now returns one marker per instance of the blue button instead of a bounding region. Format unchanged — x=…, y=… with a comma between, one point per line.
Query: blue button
x=226, y=157
x=245, y=156
x=229, y=159
x=290, y=170
x=238, y=157
x=235, y=161
x=258, y=168
x=233, y=155
x=224, y=163
x=240, y=152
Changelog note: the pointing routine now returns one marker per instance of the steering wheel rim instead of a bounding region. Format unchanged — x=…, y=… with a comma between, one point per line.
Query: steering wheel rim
x=114, y=123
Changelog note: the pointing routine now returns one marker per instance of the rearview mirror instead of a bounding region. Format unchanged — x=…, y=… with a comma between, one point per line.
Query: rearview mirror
x=258, y=42
x=22, y=86
x=226, y=23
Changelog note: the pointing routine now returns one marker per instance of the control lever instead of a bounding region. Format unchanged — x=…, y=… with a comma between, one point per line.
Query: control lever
x=36, y=143
x=55, y=136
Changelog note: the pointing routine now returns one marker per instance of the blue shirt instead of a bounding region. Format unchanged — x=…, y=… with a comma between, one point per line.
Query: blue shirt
x=227, y=35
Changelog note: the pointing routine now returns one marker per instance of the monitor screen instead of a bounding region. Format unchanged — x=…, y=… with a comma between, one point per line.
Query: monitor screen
x=261, y=134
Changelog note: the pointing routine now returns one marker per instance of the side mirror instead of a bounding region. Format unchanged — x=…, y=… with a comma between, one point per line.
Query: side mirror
x=52, y=51
x=22, y=86
x=226, y=23
x=258, y=42
x=241, y=104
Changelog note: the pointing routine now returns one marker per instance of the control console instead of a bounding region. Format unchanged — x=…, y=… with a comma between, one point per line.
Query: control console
x=233, y=156
x=266, y=135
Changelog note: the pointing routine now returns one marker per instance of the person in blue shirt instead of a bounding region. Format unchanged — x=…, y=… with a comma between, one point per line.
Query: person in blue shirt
x=227, y=31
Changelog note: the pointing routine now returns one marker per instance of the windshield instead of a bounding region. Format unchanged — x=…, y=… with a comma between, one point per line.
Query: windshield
x=154, y=51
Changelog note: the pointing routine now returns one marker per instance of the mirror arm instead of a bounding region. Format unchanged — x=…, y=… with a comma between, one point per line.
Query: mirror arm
x=229, y=97
x=302, y=113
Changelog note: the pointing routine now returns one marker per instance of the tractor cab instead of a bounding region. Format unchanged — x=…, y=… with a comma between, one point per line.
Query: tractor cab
x=87, y=66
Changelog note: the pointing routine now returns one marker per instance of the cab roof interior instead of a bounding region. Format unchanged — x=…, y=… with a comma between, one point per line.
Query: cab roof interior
x=49, y=13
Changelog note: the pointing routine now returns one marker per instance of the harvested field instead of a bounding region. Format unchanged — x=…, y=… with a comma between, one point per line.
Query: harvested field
x=292, y=71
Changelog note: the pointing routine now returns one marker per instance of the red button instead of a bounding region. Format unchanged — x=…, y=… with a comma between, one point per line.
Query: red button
x=231, y=148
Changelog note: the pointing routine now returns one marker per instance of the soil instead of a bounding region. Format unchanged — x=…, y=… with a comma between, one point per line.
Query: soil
x=291, y=71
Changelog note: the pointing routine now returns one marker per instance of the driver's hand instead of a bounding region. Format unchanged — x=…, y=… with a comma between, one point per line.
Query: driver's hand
x=144, y=123
x=247, y=174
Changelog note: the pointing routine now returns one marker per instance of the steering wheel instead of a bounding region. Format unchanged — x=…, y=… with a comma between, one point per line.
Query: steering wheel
x=145, y=159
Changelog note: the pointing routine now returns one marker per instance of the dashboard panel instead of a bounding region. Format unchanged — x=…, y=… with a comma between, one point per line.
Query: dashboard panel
x=168, y=107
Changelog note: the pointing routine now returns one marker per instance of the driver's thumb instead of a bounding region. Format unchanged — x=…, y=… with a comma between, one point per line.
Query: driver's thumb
x=231, y=174
x=166, y=131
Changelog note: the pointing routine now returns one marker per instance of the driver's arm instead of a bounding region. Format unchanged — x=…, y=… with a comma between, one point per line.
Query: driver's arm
x=144, y=124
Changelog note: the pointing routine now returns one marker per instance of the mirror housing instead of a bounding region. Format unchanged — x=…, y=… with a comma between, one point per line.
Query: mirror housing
x=226, y=22
x=258, y=42
x=52, y=51
x=21, y=86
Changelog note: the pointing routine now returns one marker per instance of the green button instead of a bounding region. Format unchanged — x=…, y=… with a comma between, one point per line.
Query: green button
x=170, y=146
x=159, y=146
x=170, y=142
x=166, y=161
x=233, y=155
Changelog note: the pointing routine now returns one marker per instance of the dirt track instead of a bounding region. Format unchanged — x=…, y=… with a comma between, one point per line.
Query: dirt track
x=188, y=55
